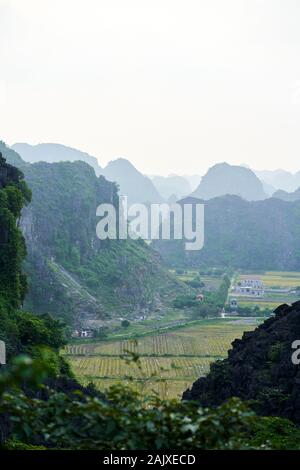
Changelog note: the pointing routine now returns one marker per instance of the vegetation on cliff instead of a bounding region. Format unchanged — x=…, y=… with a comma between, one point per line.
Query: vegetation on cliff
x=21, y=331
x=250, y=235
x=122, y=276
x=259, y=368
x=71, y=273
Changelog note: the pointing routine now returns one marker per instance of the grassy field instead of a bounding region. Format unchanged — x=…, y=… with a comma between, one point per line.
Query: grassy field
x=244, y=302
x=277, y=279
x=281, y=279
x=169, y=362
x=211, y=282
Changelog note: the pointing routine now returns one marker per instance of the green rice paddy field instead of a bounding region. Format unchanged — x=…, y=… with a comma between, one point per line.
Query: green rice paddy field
x=169, y=363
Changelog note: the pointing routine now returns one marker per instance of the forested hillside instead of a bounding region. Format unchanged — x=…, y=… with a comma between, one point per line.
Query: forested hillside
x=21, y=331
x=74, y=275
x=242, y=234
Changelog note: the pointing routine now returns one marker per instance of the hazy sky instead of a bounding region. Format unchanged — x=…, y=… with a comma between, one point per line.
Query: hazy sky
x=174, y=86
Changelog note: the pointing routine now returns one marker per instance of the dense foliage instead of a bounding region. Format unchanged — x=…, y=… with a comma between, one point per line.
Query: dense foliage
x=126, y=420
x=212, y=302
x=259, y=368
x=42, y=337
x=21, y=331
x=13, y=195
x=260, y=235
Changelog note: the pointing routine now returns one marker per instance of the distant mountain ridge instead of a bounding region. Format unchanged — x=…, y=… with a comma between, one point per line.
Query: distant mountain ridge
x=222, y=179
x=11, y=155
x=285, y=196
x=172, y=185
x=54, y=153
x=193, y=180
x=132, y=183
x=280, y=179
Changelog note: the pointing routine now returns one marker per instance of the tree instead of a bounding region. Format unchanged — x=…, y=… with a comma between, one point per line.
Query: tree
x=125, y=323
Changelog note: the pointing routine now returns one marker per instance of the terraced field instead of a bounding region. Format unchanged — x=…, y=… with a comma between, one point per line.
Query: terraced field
x=168, y=363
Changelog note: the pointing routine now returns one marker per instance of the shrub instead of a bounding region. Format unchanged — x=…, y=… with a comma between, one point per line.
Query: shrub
x=125, y=323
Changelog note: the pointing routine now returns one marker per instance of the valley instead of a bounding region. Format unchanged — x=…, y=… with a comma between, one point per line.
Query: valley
x=134, y=325
x=164, y=354
x=166, y=363
x=149, y=232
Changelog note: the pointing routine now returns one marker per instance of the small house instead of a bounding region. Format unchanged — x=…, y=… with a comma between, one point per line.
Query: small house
x=250, y=281
x=250, y=287
x=86, y=334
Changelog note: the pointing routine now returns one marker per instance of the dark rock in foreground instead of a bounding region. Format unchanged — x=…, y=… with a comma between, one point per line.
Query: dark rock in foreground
x=259, y=367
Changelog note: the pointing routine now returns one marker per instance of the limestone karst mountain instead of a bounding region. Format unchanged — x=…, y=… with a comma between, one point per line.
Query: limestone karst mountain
x=132, y=183
x=53, y=153
x=222, y=179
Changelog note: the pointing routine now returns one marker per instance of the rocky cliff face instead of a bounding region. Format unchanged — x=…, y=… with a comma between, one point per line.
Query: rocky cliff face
x=259, y=367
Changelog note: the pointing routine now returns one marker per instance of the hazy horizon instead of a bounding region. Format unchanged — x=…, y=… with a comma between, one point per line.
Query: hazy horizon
x=153, y=175
x=173, y=87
